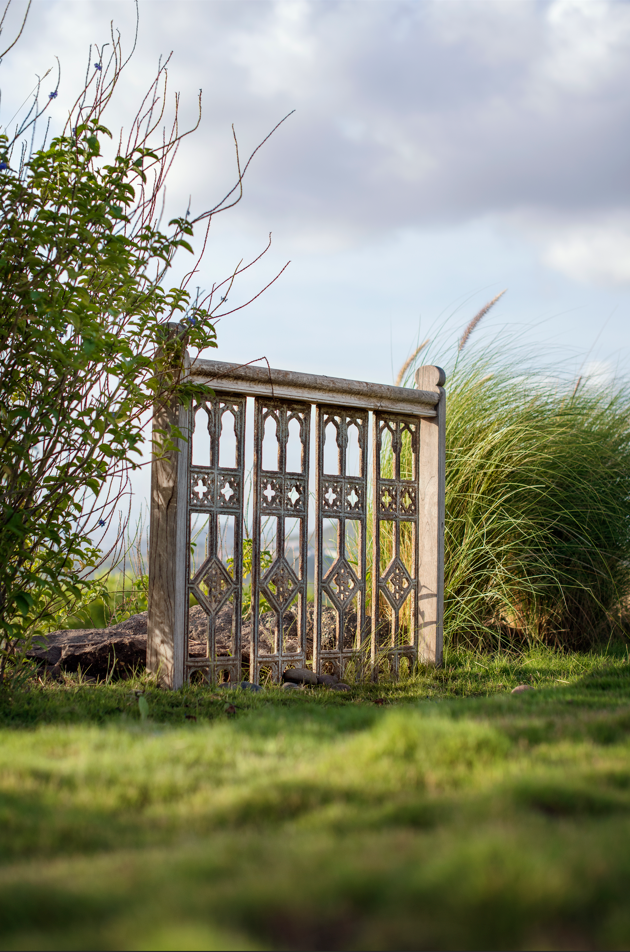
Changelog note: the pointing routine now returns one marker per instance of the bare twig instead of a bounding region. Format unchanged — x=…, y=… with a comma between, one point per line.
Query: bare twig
x=218, y=207
x=21, y=28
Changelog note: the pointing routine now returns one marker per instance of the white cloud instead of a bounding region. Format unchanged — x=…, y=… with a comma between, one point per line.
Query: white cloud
x=440, y=151
x=586, y=43
x=411, y=114
x=594, y=253
x=278, y=52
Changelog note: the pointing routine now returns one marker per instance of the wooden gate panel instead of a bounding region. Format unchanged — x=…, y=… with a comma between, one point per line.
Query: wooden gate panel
x=393, y=606
x=396, y=489
x=340, y=588
x=217, y=492
x=281, y=588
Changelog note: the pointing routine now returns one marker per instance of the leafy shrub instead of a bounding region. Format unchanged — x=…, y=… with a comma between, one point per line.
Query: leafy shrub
x=87, y=349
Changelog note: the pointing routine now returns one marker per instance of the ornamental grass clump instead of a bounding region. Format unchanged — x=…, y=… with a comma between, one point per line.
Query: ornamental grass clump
x=537, y=505
x=537, y=531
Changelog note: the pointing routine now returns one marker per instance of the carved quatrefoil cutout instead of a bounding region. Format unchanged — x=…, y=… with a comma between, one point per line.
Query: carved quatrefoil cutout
x=352, y=498
x=227, y=492
x=408, y=501
x=388, y=501
x=269, y=492
x=200, y=489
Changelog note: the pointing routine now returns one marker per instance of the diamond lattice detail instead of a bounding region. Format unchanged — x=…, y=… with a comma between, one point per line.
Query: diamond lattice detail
x=398, y=582
x=216, y=583
x=343, y=582
x=285, y=584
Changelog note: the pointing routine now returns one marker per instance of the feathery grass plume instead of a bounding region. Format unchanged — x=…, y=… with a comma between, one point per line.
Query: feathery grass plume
x=407, y=364
x=477, y=318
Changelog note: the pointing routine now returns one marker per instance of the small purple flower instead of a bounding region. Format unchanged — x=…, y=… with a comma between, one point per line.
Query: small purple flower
x=192, y=320
x=98, y=67
x=4, y=165
x=53, y=95
x=101, y=522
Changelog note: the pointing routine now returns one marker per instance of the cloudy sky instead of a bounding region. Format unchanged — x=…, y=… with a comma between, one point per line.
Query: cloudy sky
x=440, y=151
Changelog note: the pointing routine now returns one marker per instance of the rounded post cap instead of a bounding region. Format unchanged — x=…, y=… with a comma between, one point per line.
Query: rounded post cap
x=430, y=377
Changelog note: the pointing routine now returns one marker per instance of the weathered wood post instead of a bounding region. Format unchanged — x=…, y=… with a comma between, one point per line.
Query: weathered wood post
x=431, y=528
x=167, y=536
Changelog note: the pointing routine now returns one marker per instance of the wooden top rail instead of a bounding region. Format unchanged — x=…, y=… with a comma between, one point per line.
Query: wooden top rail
x=312, y=388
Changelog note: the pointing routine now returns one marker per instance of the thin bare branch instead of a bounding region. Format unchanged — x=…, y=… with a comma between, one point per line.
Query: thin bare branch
x=262, y=291
x=217, y=208
x=2, y=55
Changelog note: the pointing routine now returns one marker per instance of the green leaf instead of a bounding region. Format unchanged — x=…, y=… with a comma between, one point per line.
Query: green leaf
x=24, y=602
x=75, y=289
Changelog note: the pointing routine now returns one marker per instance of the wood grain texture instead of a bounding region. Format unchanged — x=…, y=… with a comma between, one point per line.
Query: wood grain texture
x=432, y=497
x=285, y=384
x=167, y=550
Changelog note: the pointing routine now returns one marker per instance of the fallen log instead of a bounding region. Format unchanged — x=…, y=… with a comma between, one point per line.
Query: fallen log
x=122, y=648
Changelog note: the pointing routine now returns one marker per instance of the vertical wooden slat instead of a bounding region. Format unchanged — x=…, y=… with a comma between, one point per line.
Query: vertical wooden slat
x=395, y=500
x=167, y=545
x=376, y=542
x=212, y=585
x=342, y=498
x=280, y=494
x=432, y=481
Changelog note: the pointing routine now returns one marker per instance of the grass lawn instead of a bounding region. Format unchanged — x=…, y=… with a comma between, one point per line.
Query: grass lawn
x=440, y=813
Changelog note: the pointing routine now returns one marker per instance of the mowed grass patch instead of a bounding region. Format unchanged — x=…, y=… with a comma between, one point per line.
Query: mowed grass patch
x=395, y=816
